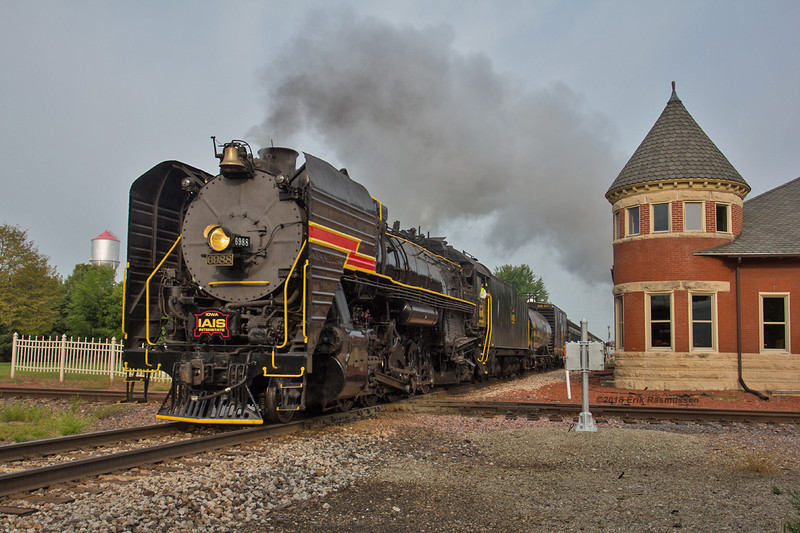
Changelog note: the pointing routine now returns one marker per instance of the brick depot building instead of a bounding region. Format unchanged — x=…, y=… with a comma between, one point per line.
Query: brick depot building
x=705, y=284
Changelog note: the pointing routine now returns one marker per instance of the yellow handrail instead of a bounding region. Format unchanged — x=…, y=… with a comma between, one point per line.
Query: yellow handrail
x=286, y=298
x=302, y=371
x=380, y=208
x=488, y=339
x=423, y=249
x=394, y=281
x=147, y=293
x=126, y=369
x=305, y=299
x=124, y=290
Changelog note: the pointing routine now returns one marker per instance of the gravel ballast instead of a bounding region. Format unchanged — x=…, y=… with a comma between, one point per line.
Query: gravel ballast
x=407, y=472
x=410, y=472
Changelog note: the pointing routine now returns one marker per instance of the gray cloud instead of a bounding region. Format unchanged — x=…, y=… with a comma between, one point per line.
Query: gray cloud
x=440, y=135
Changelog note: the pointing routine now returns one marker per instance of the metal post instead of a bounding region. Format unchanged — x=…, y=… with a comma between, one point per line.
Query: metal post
x=585, y=420
x=62, y=358
x=14, y=354
x=111, y=358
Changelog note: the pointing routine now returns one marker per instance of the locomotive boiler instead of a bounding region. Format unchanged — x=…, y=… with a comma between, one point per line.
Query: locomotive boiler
x=270, y=288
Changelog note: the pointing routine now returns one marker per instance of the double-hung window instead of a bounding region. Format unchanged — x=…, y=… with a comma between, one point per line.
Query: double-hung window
x=702, y=317
x=693, y=216
x=775, y=322
x=660, y=218
x=723, y=218
x=659, y=321
x=633, y=220
x=619, y=317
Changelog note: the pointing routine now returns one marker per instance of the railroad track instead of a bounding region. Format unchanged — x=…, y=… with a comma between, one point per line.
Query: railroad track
x=625, y=412
x=45, y=476
x=60, y=445
x=93, y=395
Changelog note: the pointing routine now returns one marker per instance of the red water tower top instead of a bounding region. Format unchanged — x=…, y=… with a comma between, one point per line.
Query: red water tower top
x=106, y=236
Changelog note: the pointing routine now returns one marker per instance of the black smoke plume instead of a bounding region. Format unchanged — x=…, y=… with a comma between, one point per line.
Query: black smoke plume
x=442, y=138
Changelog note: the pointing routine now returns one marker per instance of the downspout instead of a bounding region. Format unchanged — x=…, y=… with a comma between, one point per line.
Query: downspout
x=739, y=336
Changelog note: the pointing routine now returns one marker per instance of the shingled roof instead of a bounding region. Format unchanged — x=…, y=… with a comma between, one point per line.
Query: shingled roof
x=676, y=148
x=771, y=226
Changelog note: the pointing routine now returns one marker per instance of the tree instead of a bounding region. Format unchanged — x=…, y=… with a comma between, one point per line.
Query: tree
x=526, y=283
x=92, y=305
x=30, y=288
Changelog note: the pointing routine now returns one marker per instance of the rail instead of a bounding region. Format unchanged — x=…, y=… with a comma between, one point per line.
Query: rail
x=34, y=448
x=91, y=395
x=45, y=476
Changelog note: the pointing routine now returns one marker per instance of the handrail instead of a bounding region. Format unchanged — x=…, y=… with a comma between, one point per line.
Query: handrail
x=286, y=298
x=147, y=293
x=485, y=354
x=126, y=369
x=414, y=287
x=124, y=292
x=423, y=249
x=305, y=299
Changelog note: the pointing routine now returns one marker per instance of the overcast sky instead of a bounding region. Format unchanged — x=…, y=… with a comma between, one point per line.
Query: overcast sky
x=499, y=124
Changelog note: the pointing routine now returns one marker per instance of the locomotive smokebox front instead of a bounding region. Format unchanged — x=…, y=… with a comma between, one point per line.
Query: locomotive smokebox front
x=239, y=237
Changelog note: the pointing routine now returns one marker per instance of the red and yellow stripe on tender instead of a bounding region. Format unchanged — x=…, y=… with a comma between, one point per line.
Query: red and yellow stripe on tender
x=330, y=238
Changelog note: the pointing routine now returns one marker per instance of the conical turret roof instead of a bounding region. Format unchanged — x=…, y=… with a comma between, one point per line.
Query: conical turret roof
x=676, y=149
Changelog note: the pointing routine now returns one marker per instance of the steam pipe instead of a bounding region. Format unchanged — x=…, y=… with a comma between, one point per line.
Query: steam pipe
x=739, y=336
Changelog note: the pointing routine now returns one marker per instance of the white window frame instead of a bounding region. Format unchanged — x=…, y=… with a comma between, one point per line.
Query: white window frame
x=617, y=235
x=702, y=217
x=628, y=220
x=648, y=322
x=619, y=322
x=787, y=326
x=653, y=217
x=729, y=220
x=713, y=347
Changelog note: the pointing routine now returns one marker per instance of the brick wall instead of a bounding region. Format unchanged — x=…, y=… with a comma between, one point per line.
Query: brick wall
x=644, y=219
x=664, y=259
x=682, y=369
x=769, y=276
x=711, y=217
x=736, y=219
x=677, y=216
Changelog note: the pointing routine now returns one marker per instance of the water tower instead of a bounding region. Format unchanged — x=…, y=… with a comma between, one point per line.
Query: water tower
x=105, y=250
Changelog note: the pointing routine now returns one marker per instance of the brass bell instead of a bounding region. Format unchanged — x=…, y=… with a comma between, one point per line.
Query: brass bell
x=231, y=159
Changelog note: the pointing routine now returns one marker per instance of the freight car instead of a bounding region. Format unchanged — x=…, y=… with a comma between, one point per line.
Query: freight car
x=269, y=289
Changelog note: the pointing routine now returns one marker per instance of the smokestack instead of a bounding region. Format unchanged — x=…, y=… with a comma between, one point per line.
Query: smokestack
x=280, y=160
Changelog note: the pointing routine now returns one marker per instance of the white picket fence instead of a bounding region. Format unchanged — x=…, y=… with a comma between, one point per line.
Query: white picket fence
x=71, y=356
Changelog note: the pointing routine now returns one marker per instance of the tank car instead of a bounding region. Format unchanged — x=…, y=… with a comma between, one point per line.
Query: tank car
x=269, y=288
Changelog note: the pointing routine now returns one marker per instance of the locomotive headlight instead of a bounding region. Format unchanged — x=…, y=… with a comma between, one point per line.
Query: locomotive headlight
x=217, y=238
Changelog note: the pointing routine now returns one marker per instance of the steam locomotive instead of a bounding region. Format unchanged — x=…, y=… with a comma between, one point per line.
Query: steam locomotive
x=269, y=289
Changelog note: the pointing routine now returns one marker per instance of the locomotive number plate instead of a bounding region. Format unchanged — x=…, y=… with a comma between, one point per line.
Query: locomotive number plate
x=241, y=242
x=219, y=259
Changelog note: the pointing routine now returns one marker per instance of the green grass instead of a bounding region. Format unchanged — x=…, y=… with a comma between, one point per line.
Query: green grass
x=24, y=420
x=76, y=381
